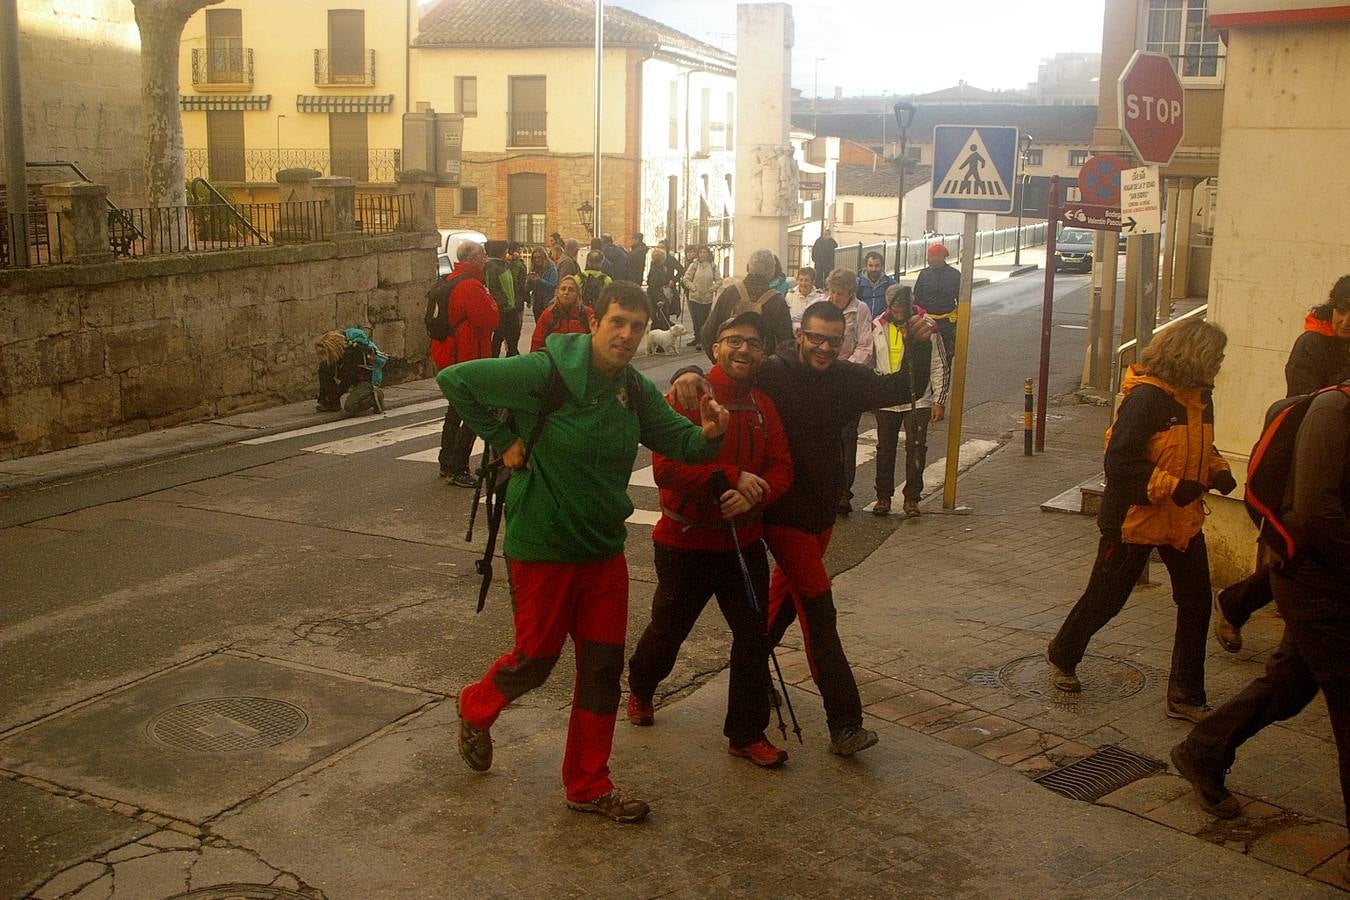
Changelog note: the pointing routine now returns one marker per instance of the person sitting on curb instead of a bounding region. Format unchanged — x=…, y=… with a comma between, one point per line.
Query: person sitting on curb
x=565, y=529
x=903, y=340
x=695, y=556
x=816, y=393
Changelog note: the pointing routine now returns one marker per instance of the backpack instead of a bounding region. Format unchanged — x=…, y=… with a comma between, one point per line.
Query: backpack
x=591, y=285
x=745, y=304
x=1270, y=470
x=436, y=317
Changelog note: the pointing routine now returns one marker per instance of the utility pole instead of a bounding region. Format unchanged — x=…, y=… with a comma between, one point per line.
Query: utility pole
x=599, y=96
x=16, y=177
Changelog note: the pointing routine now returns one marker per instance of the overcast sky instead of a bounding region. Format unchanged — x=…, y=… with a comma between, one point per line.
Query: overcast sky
x=905, y=46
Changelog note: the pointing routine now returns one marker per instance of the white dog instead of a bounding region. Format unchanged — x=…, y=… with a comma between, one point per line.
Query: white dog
x=667, y=339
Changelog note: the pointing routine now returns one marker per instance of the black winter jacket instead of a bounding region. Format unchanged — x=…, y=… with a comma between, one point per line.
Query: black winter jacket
x=937, y=289
x=1318, y=507
x=1318, y=358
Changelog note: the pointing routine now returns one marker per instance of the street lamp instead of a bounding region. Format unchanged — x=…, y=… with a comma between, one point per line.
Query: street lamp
x=280, y=116
x=904, y=115
x=587, y=214
x=1021, y=197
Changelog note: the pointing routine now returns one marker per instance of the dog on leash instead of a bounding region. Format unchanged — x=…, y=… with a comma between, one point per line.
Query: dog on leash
x=667, y=339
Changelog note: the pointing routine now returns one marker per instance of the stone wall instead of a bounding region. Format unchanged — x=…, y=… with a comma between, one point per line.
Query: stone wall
x=112, y=349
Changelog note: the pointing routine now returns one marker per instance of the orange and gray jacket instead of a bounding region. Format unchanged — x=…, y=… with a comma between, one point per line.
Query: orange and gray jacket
x=1161, y=436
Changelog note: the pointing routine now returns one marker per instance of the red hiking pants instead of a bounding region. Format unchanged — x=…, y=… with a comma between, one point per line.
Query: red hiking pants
x=588, y=601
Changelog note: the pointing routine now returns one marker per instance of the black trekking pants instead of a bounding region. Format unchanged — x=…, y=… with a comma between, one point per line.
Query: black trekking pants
x=456, y=443
x=685, y=580
x=1114, y=574
x=1311, y=654
x=849, y=458
x=332, y=384
x=507, y=332
x=915, y=424
x=1239, y=600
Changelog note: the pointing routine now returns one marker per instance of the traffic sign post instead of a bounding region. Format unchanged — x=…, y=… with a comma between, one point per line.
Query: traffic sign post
x=1099, y=180
x=1152, y=106
x=1047, y=311
x=957, y=396
x=973, y=168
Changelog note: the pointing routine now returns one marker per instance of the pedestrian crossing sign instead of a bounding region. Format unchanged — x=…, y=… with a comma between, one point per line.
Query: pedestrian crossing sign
x=974, y=168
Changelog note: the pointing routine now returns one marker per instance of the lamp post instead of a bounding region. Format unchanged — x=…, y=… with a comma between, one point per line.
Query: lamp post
x=599, y=105
x=904, y=115
x=280, y=116
x=1021, y=196
x=587, y=214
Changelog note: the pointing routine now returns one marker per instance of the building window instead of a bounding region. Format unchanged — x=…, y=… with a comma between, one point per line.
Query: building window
x=468, y=199
x=731, y=121
x=1180, y=30
x=527, y=117
x=674, y=138
x=705, y=120
x=527, y=206
x=224, y=46
x=225, y=145
x=347, y=145
x=466, y=95
x=1035, y=158
x=1078, y=157
x=346, y=46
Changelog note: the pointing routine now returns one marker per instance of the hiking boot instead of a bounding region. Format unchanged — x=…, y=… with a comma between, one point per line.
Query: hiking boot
x=475, y=746
x=1188, y=712
x=911, y=509
x=761, y=753
x=640, y=710
x=1226, y=633
x=851, y=739
x=463, y=479
x=1210, y=793
x=333, y=406
x=1063, y=679
x=845, y=507
x=613, y=806
x=882, y=507
x=445, y=472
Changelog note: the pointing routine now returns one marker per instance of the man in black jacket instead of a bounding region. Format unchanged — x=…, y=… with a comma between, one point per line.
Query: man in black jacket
x=816, y=393
x=937, y=290
x=637, y=260
x=1311, y=592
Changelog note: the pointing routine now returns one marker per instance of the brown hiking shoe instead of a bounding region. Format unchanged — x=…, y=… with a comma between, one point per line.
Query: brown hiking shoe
x=475, y=745
x=851, y=739
x=761, y=753
x=1188, y=712
x=1063, y=679
x=1226, y=633
x=613, y=806
x=911, y=509
x=882, y=507
x=640, y=710
x=1210, y=793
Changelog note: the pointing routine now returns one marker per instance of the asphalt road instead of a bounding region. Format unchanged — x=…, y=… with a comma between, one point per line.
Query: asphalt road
x=341, y=548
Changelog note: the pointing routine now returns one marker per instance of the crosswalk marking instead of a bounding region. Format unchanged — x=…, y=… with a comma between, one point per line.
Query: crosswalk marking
x=374, y=440
x=341, y=423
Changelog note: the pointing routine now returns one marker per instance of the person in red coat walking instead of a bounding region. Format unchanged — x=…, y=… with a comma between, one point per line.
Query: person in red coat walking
x=473, y=318
x=565, y=315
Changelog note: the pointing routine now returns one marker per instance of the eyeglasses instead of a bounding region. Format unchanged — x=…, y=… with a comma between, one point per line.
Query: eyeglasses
x=736, y=342
x=815, y=339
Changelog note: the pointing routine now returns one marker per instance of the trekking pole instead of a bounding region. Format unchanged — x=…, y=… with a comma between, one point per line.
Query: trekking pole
x=754, y=604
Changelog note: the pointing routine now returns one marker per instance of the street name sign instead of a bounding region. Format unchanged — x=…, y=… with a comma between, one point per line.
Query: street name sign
x=1098, y=218
x=973, y=168
x=1140, y=206
x=1152, y=107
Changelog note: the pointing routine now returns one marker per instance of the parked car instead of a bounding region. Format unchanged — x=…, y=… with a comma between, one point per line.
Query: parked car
x=443, y=265
x=1073, y=250
x=451, y=239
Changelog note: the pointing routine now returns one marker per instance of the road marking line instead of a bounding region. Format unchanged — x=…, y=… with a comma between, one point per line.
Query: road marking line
x=343, y=423
x=643, y=517
x=376, y=439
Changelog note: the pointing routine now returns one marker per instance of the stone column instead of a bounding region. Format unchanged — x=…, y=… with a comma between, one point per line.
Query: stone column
x=337, y=199
x=766, y=173
x=298, y=220
x=422, y=185
x=79, y=219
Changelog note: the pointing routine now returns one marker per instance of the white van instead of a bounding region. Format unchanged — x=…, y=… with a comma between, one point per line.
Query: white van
x=450, y=241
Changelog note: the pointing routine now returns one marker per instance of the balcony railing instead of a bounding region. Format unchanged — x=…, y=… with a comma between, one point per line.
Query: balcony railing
x=527, y=129
x=331, y=73
x=223, y=64
x=379, y=165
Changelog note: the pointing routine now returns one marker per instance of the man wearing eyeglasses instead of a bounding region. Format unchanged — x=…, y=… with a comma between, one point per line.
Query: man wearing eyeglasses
x=816, y=394
x=695, y=556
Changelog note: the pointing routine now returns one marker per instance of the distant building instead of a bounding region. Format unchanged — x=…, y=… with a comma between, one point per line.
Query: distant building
x=1067, y=79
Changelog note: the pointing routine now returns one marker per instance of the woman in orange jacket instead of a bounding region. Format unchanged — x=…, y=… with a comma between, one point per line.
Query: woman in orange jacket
x=1160, y=461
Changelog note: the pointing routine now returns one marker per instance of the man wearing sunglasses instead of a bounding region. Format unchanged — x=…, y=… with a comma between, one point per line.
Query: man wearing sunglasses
x=695, y=557
x=816, y=394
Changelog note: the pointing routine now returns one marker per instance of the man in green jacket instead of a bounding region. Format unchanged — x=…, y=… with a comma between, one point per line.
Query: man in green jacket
x=565, y=533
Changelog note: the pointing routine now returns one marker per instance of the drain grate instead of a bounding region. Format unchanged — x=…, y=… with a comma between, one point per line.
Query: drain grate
x=985, y=678
x=1095, y=776
x=228, y=724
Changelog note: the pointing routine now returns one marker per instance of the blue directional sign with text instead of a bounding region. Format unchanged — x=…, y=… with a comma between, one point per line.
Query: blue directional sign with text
x=974, y=168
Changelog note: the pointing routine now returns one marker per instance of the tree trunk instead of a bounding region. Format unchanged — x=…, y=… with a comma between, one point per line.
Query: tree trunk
x=161, y=26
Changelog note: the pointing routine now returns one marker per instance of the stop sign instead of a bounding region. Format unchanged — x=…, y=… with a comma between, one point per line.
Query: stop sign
x=1152, y=107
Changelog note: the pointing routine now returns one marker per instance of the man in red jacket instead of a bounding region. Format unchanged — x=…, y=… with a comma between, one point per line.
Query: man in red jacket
x=473, y=317
x=695, y=556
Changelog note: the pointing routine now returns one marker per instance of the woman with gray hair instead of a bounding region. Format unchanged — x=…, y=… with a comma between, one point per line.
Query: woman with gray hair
x=753, y=293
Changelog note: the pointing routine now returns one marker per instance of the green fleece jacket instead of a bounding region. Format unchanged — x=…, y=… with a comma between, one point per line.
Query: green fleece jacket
x=570, y=503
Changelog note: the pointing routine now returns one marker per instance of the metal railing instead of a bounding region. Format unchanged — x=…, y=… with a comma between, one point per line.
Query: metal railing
x=377, y=166
x=1118, y=359
x=34, y=248
x=326, y=75
x=382, y=213
x=148, y=231
x=222, y=64
x=527, y=129
x=222, y=201
x=914, y=252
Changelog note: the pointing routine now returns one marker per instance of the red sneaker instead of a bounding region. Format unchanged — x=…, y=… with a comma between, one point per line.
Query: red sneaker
x=761, y=753
x=640, y=711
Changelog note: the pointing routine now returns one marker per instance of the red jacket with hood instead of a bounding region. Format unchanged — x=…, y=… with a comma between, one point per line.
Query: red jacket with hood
x=473, y=315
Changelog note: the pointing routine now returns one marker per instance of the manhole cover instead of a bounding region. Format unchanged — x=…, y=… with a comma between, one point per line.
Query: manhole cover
x=241, y=892
x=1104, y=680
x=228, y=724
x=1095, y=776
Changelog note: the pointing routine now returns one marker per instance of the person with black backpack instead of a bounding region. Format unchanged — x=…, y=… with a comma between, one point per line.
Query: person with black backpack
x=1311, y=588
x=593, y=279
x=460, y=318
